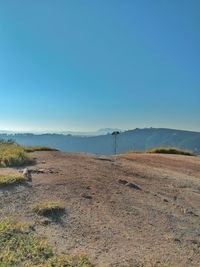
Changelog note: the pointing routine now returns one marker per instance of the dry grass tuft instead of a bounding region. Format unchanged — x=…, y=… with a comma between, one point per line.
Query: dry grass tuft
x=12, y=155
x=170, y=150
x=132, y=152
x=38, y=148
x=11, y=179
x=48, y=208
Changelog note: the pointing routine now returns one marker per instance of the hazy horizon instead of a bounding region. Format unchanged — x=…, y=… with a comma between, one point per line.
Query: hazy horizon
x=82, y=66
x=92, y=131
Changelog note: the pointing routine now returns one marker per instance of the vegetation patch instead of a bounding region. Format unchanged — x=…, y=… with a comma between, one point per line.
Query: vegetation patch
x=20, y=247
x=12, y=155
x=67, y=261
x=38, y=148
x=131, y=152
x=11, y=179
x=170, y=150
x=49, y=208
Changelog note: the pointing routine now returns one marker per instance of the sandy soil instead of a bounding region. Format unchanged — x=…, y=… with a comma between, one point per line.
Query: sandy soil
x=130, y=210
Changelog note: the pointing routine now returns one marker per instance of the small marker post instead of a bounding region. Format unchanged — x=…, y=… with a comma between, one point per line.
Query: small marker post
x=115, y=134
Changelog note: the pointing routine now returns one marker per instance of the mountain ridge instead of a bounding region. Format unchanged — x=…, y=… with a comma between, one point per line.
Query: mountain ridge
x=137, y=139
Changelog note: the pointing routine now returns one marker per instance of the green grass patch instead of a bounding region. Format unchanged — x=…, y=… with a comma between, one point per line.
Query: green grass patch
x=38, y=148
x=11, y=179
x=48, y=208
x=170, y=150
x=19, y=246
x=12, y=155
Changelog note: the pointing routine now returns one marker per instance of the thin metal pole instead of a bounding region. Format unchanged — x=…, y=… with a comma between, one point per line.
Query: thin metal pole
x=115, y=141
x=115, y=144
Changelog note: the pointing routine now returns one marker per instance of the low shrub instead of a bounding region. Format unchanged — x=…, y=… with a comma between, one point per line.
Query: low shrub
x=38, y=148
x=170, y=150
x=12, y=155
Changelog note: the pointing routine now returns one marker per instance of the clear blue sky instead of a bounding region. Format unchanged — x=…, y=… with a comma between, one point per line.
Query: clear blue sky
x=85, y=64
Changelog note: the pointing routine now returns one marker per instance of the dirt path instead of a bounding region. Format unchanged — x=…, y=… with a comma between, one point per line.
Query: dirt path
x=107, y=216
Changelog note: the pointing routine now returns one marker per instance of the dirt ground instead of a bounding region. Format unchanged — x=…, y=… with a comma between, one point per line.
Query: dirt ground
x=124, y=211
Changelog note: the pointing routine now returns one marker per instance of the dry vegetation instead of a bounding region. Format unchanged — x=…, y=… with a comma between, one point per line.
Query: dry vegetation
x=11, y=179
x=13, y=155
x=47, y=208
x=20, y=247
x=38, y=148
x=170, y=150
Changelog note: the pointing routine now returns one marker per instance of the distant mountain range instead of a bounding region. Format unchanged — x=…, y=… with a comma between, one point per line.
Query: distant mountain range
x=138, y=139
x=94, y=133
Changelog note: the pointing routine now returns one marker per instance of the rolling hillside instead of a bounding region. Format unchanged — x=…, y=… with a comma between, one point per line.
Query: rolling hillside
x=138, y=139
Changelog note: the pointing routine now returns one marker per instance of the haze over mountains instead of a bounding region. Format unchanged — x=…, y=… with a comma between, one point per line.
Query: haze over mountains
x=138, y=139
x=102, y=131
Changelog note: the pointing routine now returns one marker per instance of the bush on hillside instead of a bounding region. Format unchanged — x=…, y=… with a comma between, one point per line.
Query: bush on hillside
x=12, y=155
x=38, y=148
x=170, y=150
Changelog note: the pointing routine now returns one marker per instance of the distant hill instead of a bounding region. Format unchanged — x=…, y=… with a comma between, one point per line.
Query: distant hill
x=102, y=131
x=96, y=133
x=138, y=139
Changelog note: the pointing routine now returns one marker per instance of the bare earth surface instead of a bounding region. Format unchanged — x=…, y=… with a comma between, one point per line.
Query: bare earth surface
x=130, y=210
